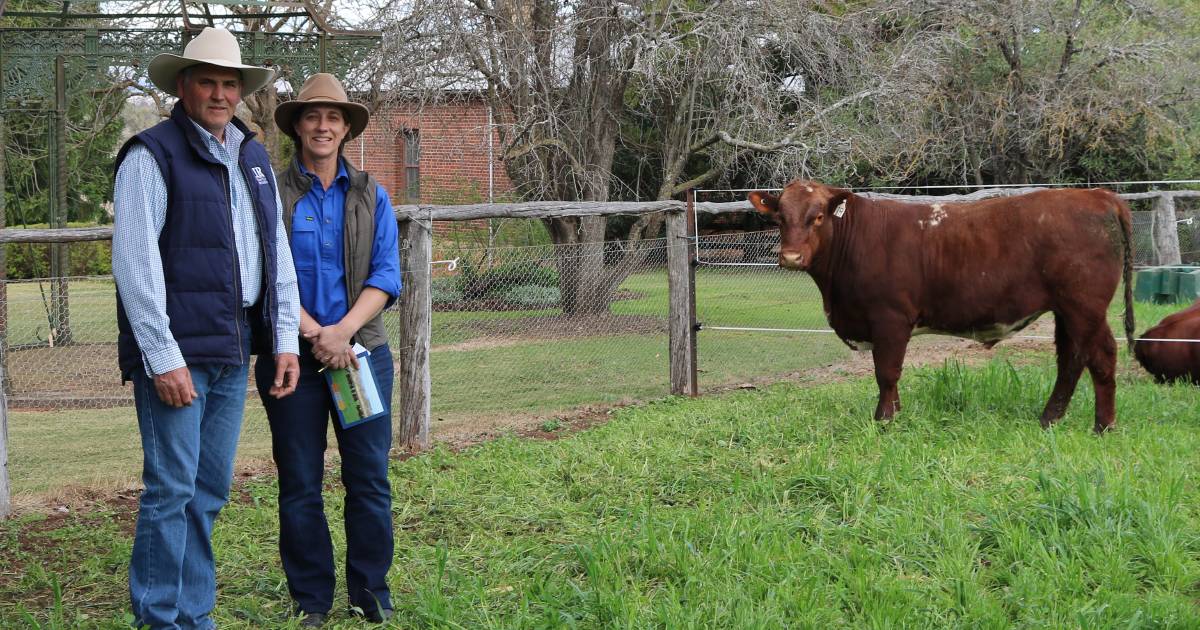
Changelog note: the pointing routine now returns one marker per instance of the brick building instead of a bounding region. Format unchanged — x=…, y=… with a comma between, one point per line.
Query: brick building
x=444, y=153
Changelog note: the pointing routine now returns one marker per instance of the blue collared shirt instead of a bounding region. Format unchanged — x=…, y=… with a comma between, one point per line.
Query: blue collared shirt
x=140, y=209
x=318, y=248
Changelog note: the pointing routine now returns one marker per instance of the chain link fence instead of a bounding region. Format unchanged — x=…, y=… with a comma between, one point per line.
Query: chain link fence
x=542, y=329
x=527, y=331
x=502, y=343
x=758, y=322
x=506, y=339
x=61, y=345
x=61, y=350
x=1187, y=229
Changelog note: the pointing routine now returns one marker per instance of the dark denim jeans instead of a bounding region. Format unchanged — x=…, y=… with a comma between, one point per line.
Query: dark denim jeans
x=187, y=467
x=298, y=438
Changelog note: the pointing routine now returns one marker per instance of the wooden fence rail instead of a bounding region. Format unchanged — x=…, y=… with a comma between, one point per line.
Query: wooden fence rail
x=412, y=431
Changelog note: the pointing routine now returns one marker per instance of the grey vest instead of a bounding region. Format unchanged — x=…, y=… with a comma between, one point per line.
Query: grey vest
x=358, y=234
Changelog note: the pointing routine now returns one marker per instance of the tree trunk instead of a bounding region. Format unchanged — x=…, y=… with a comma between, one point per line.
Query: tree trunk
x=262, y=113
x=591, y=267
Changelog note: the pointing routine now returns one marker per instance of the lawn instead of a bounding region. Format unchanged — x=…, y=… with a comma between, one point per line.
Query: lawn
x=510, y=372
x=514, y=369
x=93, y=308
x=785, y=507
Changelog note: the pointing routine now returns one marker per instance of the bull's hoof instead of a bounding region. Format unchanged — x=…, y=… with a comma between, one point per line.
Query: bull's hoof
x=885, y=412
x=1050, y=418
x=1101, y=429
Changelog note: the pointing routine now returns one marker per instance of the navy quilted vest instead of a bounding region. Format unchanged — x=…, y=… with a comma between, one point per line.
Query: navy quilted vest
x=197, y=247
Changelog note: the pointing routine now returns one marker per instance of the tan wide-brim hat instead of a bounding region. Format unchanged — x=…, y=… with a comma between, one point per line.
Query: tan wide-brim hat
x=214, y=46
x=322, y=89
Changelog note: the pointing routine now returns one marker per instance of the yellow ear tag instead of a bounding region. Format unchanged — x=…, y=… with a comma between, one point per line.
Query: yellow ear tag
x=841, y=209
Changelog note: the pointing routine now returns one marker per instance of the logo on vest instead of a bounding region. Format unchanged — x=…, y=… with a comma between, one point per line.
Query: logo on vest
x=258, y=174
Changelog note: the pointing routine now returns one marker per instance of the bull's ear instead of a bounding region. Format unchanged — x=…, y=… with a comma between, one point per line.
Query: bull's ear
x=764, y=202
x=839, y=195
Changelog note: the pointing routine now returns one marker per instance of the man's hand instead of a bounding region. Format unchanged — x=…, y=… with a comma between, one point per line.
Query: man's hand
x=175, y=387
x=287, y=374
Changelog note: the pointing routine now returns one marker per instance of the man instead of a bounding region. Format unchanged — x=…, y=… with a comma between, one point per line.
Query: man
x=202, y=266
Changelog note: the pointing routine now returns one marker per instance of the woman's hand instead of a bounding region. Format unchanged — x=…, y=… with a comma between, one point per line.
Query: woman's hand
x=331, y=346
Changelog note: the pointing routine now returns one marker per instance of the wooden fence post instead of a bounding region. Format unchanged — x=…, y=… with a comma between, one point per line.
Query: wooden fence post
x=1166, y=231
x=5, y=493
x=415, y=330
x=5, y=382
x=681, y=282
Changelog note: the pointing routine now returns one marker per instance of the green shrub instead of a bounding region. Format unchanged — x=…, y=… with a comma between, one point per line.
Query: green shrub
x=533, y=296
x=32, y=260
x=529, y=274
x=475, y=284
x=445, y=291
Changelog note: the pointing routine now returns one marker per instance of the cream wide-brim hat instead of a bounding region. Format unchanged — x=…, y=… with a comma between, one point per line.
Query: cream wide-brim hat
x=213, y=46
x=322, y=89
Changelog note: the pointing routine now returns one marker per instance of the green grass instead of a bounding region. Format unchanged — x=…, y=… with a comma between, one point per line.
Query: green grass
x=93, y=305
x=52, y=450
x=544, y=376
x=786, y=507
x=64, y=451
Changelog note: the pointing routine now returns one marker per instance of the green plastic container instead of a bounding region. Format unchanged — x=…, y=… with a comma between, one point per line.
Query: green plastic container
x=1168, y=284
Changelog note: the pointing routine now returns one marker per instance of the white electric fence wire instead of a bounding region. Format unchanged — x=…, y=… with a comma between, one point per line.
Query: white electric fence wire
x=1156, y=182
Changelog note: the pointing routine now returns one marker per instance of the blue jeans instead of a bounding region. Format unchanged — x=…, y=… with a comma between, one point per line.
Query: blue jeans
x=298, y=439
x=187, y=467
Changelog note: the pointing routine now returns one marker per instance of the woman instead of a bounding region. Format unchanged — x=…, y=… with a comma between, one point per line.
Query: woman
x=343, y=238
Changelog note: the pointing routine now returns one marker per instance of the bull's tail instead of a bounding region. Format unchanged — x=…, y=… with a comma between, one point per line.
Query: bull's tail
x=1126, y=220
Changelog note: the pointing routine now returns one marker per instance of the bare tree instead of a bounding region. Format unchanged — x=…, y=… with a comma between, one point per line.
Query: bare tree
x=1043, y=91
x=773, y=89
x=710, y=77
x=556, y=74
x=283, y=19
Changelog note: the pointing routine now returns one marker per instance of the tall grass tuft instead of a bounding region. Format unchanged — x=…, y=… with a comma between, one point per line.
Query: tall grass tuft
x=998, y=387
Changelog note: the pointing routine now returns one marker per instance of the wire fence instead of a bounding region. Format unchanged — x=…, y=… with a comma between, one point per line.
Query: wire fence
x=786, y=306
x=1187, y=228
x=505, y=342
x=518, y=331
x=547, y=328
x=505, y=337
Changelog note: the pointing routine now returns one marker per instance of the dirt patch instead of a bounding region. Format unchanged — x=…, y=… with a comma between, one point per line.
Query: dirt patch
x=86, y=507
x=74, y=376
x=482, y=343
x=461, y=433
x=922, y=350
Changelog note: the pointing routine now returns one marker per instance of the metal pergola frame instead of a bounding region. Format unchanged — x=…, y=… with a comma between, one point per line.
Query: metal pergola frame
x=38, y=46
x=33, y=68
